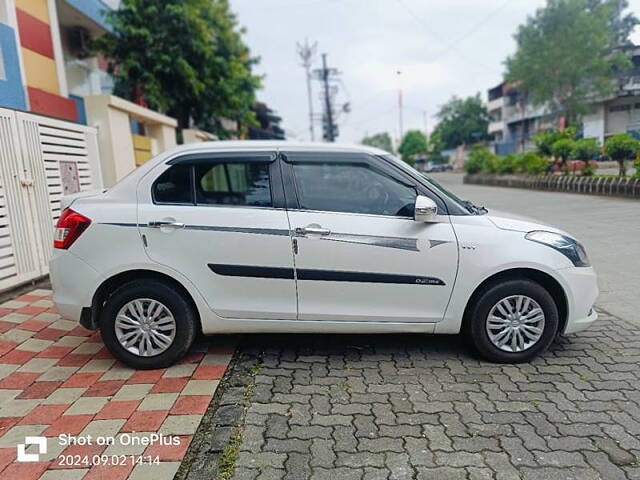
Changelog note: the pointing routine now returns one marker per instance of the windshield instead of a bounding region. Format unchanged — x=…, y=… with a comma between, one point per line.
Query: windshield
x=439, y=189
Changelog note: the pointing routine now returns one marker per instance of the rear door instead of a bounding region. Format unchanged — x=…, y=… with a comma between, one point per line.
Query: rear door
x=360, y=256
x=219, y=220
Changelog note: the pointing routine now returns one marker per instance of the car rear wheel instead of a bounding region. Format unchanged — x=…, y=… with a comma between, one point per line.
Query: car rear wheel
x=147, y=324
x=512, y=321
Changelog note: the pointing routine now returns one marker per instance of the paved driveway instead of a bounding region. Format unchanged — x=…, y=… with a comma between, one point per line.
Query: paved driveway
x=608, y=227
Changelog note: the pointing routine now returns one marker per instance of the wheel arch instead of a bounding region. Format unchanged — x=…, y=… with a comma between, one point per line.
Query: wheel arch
x=108, y=286
x=542, y=278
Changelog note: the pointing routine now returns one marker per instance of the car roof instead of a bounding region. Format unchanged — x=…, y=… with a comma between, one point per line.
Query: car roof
x=278, y=145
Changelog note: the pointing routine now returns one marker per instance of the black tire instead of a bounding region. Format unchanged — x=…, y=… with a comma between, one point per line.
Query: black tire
x=478, y=312
x=185, y=318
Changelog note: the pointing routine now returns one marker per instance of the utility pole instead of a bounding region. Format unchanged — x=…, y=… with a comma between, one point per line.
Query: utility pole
x=327, y=99
x=400, y=107
x=306, y=53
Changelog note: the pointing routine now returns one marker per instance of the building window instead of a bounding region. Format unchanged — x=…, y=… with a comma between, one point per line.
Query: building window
x=620, y=108
x=3, y=75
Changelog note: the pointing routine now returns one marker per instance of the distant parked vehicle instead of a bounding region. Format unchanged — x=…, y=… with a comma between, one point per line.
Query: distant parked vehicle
x=231, y=237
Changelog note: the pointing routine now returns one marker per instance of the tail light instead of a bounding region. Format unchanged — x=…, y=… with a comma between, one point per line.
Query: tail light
x=69, y=227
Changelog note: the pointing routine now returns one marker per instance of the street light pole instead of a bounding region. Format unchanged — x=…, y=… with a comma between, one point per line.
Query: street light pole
x=327, y=99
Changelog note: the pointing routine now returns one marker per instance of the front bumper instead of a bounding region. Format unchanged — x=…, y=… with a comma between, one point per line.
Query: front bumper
x=581, y=287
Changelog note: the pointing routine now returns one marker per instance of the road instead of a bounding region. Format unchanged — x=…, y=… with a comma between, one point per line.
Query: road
x=608, y=227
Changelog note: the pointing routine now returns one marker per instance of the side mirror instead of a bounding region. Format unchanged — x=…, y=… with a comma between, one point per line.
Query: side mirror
x=425, y=209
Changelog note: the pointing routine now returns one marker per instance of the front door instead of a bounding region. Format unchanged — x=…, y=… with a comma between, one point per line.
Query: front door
x=360, y=256
x=217, y=219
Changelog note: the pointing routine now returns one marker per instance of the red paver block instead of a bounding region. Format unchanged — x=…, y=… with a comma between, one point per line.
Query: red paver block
x=145, y=421
x=6, y=346
x=71, y=424
x=82, y=379
x=39, y=390
x=6, y=326
x=43, y=414
x=170, y=385
x=18, y=380
x=5, y=311
x=17, y=357
x=191, y=405
x=31, y=310
x=74, y=360
x=7, y=456
x=27, y=298
x=106, y=388
x=209, y=372
x=80, y=331
x=50, y=334
x=117, y=409
x=169, y=452
x=55, y=351
x=146, y=376
x=25, y=471
x=33, y=325
x=7, y=422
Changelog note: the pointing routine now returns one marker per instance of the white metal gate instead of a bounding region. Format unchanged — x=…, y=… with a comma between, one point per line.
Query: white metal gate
x=32, y=150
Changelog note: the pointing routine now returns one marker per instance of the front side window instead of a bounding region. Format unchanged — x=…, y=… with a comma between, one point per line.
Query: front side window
x=352, y=188
x=233, y=184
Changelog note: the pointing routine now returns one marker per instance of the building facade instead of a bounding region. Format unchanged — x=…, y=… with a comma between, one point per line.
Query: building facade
x=47, y=68
x=515, y=119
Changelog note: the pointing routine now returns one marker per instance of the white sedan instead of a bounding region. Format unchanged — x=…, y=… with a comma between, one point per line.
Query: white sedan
x=230, y=237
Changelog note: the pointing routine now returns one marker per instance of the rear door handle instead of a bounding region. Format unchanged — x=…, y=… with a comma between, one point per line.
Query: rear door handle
x=312, y=230
x=161, y=224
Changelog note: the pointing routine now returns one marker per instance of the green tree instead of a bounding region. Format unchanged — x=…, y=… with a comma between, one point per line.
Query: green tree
x=565, y=53
x=462, y=121
x=185, y=58
x=413, y=143
x=562, y=149
x=545, y=139
x=621, y=147
x=379, y=140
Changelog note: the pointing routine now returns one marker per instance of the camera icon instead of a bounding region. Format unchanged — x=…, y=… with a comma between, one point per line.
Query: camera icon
x=23, y=456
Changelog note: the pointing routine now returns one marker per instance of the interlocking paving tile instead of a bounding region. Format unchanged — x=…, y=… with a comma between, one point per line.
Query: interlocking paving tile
x=58, y=378
x=414, y=406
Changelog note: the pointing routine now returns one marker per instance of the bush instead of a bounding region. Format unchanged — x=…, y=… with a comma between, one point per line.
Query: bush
x=480, y=159
x=585, y=149
x=545, y=139
x=534, y=164
x=637, y=165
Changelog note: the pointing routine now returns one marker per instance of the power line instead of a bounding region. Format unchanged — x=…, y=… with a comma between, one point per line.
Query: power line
x=306, y=53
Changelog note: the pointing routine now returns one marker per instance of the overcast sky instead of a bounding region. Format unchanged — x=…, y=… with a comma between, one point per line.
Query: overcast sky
x=442, y=48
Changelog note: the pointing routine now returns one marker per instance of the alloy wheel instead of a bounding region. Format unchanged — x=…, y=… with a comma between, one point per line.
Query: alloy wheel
x=145, y=327
x=515, y=323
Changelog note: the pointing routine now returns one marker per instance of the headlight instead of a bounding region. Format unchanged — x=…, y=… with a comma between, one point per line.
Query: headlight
x=569, y=247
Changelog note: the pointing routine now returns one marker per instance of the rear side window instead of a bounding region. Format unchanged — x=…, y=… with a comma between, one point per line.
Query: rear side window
x=174, y=186
x=233, y=183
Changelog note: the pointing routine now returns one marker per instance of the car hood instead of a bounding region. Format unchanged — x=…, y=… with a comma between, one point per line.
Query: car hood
x=510, y=221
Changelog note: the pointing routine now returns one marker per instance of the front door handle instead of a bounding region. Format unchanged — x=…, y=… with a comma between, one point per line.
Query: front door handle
x=317, y=230
x=165, y=224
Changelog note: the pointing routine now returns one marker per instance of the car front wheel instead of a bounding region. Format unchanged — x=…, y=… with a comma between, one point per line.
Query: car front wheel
x=147, y=324
x=512, y=321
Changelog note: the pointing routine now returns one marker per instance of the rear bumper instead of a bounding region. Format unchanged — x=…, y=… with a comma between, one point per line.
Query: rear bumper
x=72, y=280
